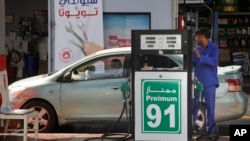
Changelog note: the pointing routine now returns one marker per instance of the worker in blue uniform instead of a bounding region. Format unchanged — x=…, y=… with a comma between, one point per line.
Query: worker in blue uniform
x=205, y=62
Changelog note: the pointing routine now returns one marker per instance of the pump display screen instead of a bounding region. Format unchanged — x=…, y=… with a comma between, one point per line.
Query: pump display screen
x=163, y=42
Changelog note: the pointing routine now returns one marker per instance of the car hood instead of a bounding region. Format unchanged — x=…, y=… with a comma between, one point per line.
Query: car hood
x=28, y=80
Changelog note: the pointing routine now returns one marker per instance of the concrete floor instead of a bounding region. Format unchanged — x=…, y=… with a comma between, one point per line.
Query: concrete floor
x=61, y=137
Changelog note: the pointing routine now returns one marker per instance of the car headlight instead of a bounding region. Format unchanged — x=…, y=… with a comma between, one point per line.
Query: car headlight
x=15, y=91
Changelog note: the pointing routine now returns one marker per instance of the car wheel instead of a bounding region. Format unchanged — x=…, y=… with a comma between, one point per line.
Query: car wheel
x=46, y=116
x=200, y=124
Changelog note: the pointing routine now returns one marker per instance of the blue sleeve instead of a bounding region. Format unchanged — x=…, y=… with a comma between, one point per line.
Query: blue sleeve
x=212, y=58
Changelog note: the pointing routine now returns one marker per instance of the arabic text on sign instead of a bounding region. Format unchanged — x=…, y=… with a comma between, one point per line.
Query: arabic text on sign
x=75, y=2
x=78, y=14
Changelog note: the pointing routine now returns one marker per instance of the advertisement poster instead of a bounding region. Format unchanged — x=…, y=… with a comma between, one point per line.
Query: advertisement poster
x=78, y=30
x=117, y=28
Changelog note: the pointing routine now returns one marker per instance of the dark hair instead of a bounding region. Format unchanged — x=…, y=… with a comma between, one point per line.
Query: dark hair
x=116, y=63
x=203, y=31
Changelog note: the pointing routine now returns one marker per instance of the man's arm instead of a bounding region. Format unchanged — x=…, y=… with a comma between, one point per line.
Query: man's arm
x=212, y=58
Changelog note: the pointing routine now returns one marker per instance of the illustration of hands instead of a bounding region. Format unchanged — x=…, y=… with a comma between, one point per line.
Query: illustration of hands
x=86, y=46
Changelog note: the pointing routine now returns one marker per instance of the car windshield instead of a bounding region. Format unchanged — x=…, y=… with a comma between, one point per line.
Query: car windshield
x=161, y=61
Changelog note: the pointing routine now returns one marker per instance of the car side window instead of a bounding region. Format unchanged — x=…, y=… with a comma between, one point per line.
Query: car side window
x=108, y=67
x=158, y=61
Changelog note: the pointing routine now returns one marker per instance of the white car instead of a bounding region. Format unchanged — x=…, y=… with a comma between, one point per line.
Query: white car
x=62, y=98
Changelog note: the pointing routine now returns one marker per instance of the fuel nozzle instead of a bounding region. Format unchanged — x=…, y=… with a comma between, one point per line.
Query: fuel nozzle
x=199, y=88
x=125, y=88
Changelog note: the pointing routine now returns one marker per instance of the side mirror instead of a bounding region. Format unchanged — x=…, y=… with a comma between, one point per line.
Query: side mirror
x=67, y=77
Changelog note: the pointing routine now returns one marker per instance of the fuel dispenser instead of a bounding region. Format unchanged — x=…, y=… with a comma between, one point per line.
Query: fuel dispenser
x=162, y=91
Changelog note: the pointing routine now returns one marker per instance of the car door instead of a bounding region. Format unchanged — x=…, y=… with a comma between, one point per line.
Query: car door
x=97, y=95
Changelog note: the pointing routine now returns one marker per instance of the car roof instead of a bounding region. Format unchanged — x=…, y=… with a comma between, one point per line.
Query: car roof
x=122, y=49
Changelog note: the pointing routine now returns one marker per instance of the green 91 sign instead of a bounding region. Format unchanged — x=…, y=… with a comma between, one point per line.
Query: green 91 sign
x=161, y=105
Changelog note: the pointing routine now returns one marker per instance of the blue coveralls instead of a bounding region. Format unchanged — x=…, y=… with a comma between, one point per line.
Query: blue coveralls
x=205, y=70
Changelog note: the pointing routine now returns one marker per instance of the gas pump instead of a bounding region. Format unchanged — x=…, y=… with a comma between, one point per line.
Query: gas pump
x=161, y=94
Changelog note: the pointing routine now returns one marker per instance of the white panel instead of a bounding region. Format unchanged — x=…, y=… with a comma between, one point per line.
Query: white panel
x=160, y=135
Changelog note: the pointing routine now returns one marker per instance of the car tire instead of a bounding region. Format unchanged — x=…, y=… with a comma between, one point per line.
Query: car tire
x=47, y=116
x=200, y=124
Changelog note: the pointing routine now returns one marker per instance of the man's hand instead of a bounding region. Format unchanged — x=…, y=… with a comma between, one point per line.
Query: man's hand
x=197, y=53
x=90, y=47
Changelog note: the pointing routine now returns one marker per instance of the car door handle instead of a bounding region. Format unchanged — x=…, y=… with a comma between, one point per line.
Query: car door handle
x=115, y=87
